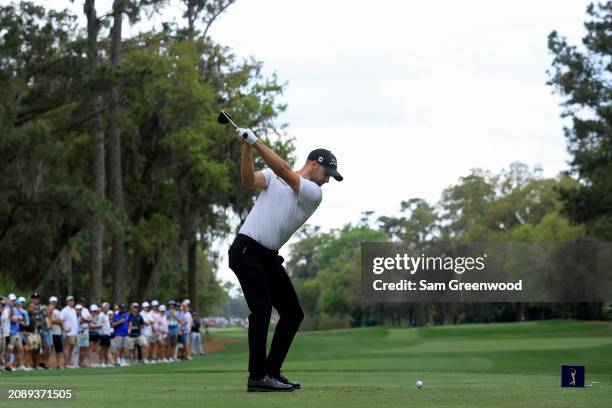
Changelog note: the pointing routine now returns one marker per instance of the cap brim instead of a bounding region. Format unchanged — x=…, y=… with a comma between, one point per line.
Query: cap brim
x=334, y=173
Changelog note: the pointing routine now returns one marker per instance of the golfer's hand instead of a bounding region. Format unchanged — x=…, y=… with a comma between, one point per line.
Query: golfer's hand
x=247, y=134
x=243, y=142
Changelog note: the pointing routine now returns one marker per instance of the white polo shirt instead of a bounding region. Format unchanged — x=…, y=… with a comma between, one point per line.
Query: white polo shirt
x=5, y=320
x=70, y=321
x=147, y=328
x=279, y=211
x=106, y=327
x=84, y=316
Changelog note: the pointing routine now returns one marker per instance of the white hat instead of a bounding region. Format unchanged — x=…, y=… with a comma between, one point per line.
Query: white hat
x=110, y=312
x=105, y=304
x=155, y=303
x=77, y=307
x=93, y=307
x=52, y=299
x=162, y=308
x=187, y=301
x=145, y=304
x=12, y=296
x=22, y=299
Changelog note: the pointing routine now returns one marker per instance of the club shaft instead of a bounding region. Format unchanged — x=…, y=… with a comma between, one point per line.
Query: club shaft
x=232, y=123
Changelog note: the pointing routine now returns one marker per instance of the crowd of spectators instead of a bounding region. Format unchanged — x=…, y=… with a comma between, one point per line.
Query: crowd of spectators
x=38, y=336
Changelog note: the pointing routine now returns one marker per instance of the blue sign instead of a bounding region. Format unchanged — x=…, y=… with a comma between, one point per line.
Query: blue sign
x=572, y=375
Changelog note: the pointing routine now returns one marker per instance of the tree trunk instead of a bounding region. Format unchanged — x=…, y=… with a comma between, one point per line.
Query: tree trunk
x=192, y=273
x=65, y=268
x=99, y=175
x=148, y=265
x=116, y=175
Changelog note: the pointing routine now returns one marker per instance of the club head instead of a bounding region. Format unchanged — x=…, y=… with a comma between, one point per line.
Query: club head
x=224, y=117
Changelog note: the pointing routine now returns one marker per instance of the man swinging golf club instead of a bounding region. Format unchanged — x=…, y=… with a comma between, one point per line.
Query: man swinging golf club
x=287, y=200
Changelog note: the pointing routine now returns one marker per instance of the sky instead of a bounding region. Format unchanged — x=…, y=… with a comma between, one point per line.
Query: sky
x=409, y=95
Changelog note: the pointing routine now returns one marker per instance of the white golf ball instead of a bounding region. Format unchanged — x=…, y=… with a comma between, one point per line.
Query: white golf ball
x=419, y=383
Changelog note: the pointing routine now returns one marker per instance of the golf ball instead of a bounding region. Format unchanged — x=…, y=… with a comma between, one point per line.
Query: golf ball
x=419, y=383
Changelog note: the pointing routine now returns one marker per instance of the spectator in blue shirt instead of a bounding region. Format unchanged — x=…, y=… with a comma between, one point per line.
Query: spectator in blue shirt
x=15, y=344
x=121, y=322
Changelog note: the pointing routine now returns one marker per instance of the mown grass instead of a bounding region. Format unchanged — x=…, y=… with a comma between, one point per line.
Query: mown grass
x=488, y=365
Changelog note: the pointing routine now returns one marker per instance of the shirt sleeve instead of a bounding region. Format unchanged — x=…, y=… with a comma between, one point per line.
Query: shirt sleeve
x=310, y=194
x=268, y=174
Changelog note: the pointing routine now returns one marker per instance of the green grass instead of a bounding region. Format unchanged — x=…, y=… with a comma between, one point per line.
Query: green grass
x=492, y=365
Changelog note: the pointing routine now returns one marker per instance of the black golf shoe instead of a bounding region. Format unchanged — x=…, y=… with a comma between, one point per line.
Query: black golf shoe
x=267, y=384
x=284, y=380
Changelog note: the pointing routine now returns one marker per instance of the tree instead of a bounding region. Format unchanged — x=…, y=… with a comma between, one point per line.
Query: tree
x=582, y=78
x=206, y=11
x=45, y=198
x=99, y=166
x=420, y=226
x=133, y=9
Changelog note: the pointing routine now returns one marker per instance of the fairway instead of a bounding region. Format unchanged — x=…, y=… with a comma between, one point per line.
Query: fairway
x=485, y=365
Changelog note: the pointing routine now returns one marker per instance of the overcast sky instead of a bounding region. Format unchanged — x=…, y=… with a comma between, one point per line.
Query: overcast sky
x=409, y=95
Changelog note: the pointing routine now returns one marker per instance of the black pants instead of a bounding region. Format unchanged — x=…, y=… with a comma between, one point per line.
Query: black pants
x=265, y=284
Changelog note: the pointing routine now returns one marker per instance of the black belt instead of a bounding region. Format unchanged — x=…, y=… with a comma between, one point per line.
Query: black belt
x=258, y=247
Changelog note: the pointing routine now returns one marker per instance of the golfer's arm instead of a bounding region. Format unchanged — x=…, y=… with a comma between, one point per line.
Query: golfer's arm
x=250, y=178
x=279, y=166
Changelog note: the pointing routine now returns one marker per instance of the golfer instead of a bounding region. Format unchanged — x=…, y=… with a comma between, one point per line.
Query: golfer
x=287, y=200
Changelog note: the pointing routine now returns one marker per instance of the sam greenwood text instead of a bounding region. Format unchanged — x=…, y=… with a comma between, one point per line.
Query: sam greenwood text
x=424, y=285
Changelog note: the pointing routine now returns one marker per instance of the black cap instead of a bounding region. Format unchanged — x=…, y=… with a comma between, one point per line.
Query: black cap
x=121, y=306
x=35, y=295
x=327, y=159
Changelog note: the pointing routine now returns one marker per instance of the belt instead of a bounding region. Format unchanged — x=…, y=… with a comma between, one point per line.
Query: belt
x=258, y=247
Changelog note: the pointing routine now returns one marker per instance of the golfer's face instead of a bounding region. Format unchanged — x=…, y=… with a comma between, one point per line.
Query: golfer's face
x=320, y=175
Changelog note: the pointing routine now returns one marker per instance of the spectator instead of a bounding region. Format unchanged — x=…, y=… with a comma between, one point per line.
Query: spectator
x=147, y=332
x=113, y=344
x=55, y=317
x=24, y=327
x=154, y=344
x=174, y=330
x=80, y=353
x=33, y=340
x=5, y=331
x=121, y=322
x=196, y=337
x=5, y=322
x=136, y=337
x=105, y=331
x=163, y=334
x=186, y=322
x=94, y=335
x=70, y=327
x=44, y=330
x=15, y=344
x=77, y=347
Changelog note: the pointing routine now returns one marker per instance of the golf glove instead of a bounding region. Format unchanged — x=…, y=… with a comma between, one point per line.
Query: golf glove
x=248, y=135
